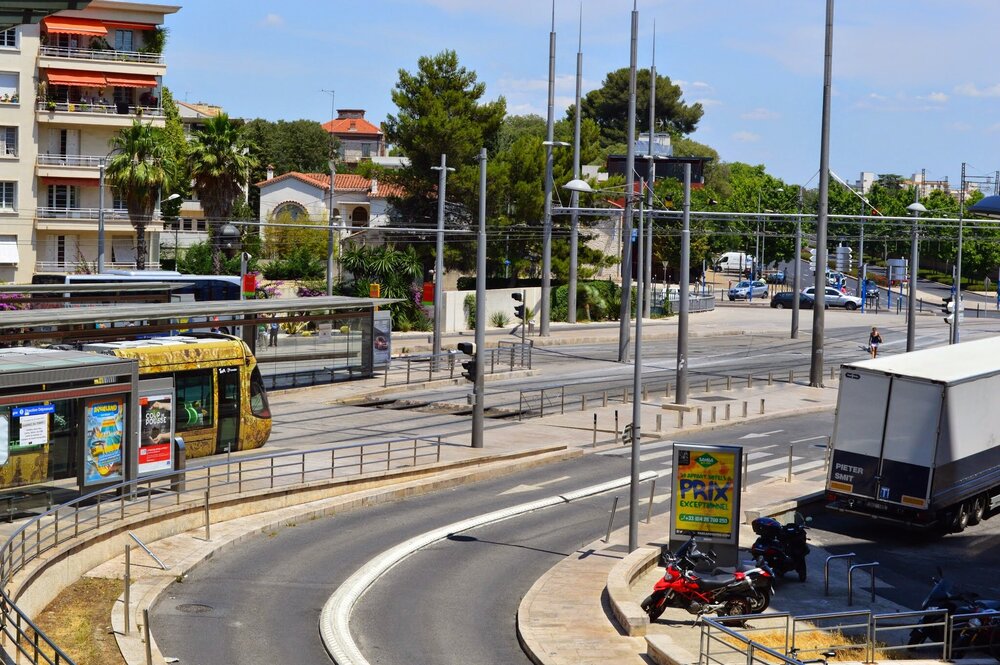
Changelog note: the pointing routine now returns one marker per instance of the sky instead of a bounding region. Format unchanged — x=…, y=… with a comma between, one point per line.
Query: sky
x=912, y=85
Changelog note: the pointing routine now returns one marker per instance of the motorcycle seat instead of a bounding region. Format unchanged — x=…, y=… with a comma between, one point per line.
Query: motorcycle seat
x=715, y=581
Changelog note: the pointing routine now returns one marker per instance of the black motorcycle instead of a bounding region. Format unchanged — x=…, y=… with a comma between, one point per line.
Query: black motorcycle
x=975, y=622
x=782, y=548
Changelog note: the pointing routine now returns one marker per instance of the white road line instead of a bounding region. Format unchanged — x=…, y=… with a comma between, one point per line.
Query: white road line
x=797, y=468
x=767, y=465
x=811, y=438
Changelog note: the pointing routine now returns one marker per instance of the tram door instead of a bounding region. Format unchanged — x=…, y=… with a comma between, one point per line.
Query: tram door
x=229, y=409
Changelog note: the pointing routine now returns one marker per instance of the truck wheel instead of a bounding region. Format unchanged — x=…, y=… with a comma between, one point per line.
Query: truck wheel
x=961, y=519
x=978, y=510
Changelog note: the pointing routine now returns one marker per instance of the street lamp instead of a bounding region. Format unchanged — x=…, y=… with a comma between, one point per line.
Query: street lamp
x=177, y=222
x=331, y=238
x=911, y=308
x=439, y=252
x=229, y=240
x=763, y=236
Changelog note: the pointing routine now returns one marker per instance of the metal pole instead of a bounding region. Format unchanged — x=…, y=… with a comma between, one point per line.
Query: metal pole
x=647, y=272
x=575, y=196
x=797, y=280
x=958, y=262
x=911, y=307
x=819, y=304
x=439, y=252
x=625, y=312
x=633, y=508
x=100, y=221
x=543, y=325
x=478, y=408
x=684, y=301
x=331, y=233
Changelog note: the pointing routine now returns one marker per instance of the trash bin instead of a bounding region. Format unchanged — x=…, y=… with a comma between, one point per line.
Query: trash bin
x=180, y=464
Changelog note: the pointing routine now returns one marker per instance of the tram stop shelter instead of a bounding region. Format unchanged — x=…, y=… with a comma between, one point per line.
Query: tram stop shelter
x=64, y=415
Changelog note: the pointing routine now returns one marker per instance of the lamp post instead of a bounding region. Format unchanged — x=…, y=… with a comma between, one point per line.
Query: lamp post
x=545, y=305
x=439, y=252
x=100, y=219
x=331, y=235
x=575, y=196
x=633, y=508
x=172, y=197
x=911, y=308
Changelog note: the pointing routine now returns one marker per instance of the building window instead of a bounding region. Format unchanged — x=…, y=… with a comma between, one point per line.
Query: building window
x=8, y=196
x=123, y=95
x=8, y=38
x=8, y=86
x=8, y=141
x=123, y=40
x=117, y=200
x=292, y=211
x=366, y=149
x=194, y=400
x=65, y=197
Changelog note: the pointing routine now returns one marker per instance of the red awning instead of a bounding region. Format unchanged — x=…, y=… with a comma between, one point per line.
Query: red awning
x=125, y=25
x=74, y=26
x=73, y=77
x=76, y=182
x=131, y=81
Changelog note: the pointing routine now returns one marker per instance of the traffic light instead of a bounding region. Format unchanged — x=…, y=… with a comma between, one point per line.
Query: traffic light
x=518, y=309
x=469, y=349
x=812, y=259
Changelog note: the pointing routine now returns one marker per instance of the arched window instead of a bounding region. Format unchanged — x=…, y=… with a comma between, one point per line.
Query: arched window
x=291, y=209
x=359, y=217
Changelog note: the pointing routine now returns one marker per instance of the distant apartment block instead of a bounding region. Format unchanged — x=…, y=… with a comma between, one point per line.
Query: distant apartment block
x=67, y=85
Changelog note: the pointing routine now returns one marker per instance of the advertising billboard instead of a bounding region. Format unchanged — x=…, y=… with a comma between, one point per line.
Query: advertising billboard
x=103, y=449
x=706, y=493
x=156, y=432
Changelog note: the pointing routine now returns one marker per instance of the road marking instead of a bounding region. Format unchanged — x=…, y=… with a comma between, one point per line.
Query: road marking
x=774, y=462
x=811, y=438
x=755, y=435
x=797, y=468
x=530, y=488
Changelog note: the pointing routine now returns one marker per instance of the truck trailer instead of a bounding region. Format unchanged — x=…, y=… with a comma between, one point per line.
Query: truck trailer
x=916, y=438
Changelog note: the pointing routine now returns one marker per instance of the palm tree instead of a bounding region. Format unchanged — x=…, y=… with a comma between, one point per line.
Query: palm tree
x=219, y=162
x=139, y=167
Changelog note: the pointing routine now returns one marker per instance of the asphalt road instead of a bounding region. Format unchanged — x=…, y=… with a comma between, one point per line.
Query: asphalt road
x=453, y=602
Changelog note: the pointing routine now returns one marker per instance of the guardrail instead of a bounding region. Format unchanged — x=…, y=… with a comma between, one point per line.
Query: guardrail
x=403, y=370
x=177, y=491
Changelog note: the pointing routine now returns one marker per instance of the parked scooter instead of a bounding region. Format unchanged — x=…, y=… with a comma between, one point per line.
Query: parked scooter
x=725, y=594
x=783, y=548
x=975, y=622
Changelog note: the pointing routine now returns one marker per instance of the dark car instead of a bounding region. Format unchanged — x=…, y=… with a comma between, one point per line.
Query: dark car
x=784, y=300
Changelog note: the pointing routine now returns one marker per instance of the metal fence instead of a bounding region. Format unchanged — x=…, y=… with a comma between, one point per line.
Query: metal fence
x=506, y=357
x=178, y=492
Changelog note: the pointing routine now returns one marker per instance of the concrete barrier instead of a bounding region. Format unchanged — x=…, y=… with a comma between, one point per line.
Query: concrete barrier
x=627, y=611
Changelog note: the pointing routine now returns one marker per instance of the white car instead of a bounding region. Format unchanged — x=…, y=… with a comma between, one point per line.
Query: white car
x=742, y=291
x=835, y=298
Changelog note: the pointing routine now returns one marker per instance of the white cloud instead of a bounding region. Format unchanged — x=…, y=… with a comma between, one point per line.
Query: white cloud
x=937, y=97
x=708, y=101
x=761, y=113
x=960, y=126
x=971, y=90
x=746, y=137
x=273, y=21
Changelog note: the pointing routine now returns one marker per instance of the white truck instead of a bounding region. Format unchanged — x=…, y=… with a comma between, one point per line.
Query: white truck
x=916, y=438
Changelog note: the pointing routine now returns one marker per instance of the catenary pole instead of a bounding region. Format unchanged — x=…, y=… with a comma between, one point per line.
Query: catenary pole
x=633, y=495
x=478, y=408
x=797, y=279
x=543, y=328
x=574, y=234
x=439, y=252
x=647, y=271
x=625, y=312
x=682, y=294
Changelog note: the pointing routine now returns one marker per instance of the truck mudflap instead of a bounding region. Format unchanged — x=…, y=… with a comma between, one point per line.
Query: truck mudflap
x=880, y=510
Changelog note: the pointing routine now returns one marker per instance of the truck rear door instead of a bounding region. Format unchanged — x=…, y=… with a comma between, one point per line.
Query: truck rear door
x=910, y=442
x=857, y=438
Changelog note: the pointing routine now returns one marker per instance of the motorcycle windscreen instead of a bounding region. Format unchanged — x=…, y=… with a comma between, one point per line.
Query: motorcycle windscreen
x=911, y=434
x=857, y=437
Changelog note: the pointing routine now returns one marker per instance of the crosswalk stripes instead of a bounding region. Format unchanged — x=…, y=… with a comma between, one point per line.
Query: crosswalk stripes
x=662, y=453
x=797, y=468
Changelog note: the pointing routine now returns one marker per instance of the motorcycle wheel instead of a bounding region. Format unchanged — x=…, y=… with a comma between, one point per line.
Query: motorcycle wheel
x=995, y=643
x=760, y=601
x=734, y=607
x=651, y=608
x=800, y=568
x=916, y=637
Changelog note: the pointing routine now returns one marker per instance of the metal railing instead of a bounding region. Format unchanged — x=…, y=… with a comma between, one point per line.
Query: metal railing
x=101, y=54
x=100, y=108
x=177, y=492
x=87, y=161
x=403, y=370
x=110, y=214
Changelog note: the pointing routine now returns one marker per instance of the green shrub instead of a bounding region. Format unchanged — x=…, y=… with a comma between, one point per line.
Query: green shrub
x=499, y=319
x=297, y=264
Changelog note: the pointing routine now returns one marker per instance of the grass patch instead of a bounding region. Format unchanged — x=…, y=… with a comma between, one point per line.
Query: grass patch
x=79, y=621
x=812, y=642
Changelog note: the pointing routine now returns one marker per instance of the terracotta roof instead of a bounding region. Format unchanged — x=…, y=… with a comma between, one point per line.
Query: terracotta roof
x=344, y=126
x=346, y=182
x=207, y=110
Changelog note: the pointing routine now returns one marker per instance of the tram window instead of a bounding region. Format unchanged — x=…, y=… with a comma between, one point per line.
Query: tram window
x=258, y=398
x=194, y=400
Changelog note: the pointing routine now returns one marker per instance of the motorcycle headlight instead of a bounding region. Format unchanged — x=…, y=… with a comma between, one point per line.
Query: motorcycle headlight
x=975, y=623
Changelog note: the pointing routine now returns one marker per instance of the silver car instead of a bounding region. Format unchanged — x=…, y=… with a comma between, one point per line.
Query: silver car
x=742, y=291
x=835, y=298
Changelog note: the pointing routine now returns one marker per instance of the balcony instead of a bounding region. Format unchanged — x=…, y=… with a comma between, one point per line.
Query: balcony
x=101, y=55
x=85, y=219
x=66, y=267
x=68, y=166
x=106, y=115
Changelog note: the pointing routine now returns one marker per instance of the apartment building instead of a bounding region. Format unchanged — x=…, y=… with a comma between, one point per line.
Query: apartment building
x=67, y=85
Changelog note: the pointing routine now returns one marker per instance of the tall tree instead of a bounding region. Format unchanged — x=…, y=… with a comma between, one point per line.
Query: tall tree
x=140, y=167
x=608, y=106
x=219, y=163
x=287, y=145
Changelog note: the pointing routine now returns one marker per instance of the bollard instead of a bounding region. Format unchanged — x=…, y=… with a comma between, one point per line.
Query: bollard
x=770, y=378
x=652, y=492
x=746, y=471
x=680, y=419
x=208, y=521
x=729, y=382
x=749, y=380
x=604, y=399
x=699, y=415
x=594, y=445
x=616, y=425
x=788, y=478
x=762, y=406
x=645, y=394
x=611, y=520
x=713, y=413
x=791, y=376
x=624, y=395
x=583, y=402
x=832, y=375
x=708, y=385
x=744, y=408
x=659, y=422
x=727, y=411
x=128, y=584
x=145, y=633
x=666, y=390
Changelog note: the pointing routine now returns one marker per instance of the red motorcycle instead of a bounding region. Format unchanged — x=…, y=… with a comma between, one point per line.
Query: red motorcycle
x=723, y=592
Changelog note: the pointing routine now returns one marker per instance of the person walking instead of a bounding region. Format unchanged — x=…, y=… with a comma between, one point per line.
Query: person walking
x=273, y=339
x=874, y=340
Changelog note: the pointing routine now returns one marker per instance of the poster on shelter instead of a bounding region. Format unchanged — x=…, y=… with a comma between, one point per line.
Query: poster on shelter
x=103, y=450
x=706, y=491
x=156, y=433
x=381, y=338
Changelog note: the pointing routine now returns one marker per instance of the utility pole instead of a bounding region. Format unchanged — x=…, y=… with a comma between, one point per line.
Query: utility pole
x=100, y=222
x=625, y=312
x=439, y=253
x=633, y=502
x=332, y=236
x=478, y=408
x=574, y=239
x=682, y=293
x=957, y=298
x=647, y=271
x=543, y=327
x=797, y=280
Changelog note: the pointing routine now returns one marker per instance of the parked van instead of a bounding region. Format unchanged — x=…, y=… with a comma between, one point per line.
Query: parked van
x=735, y=262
